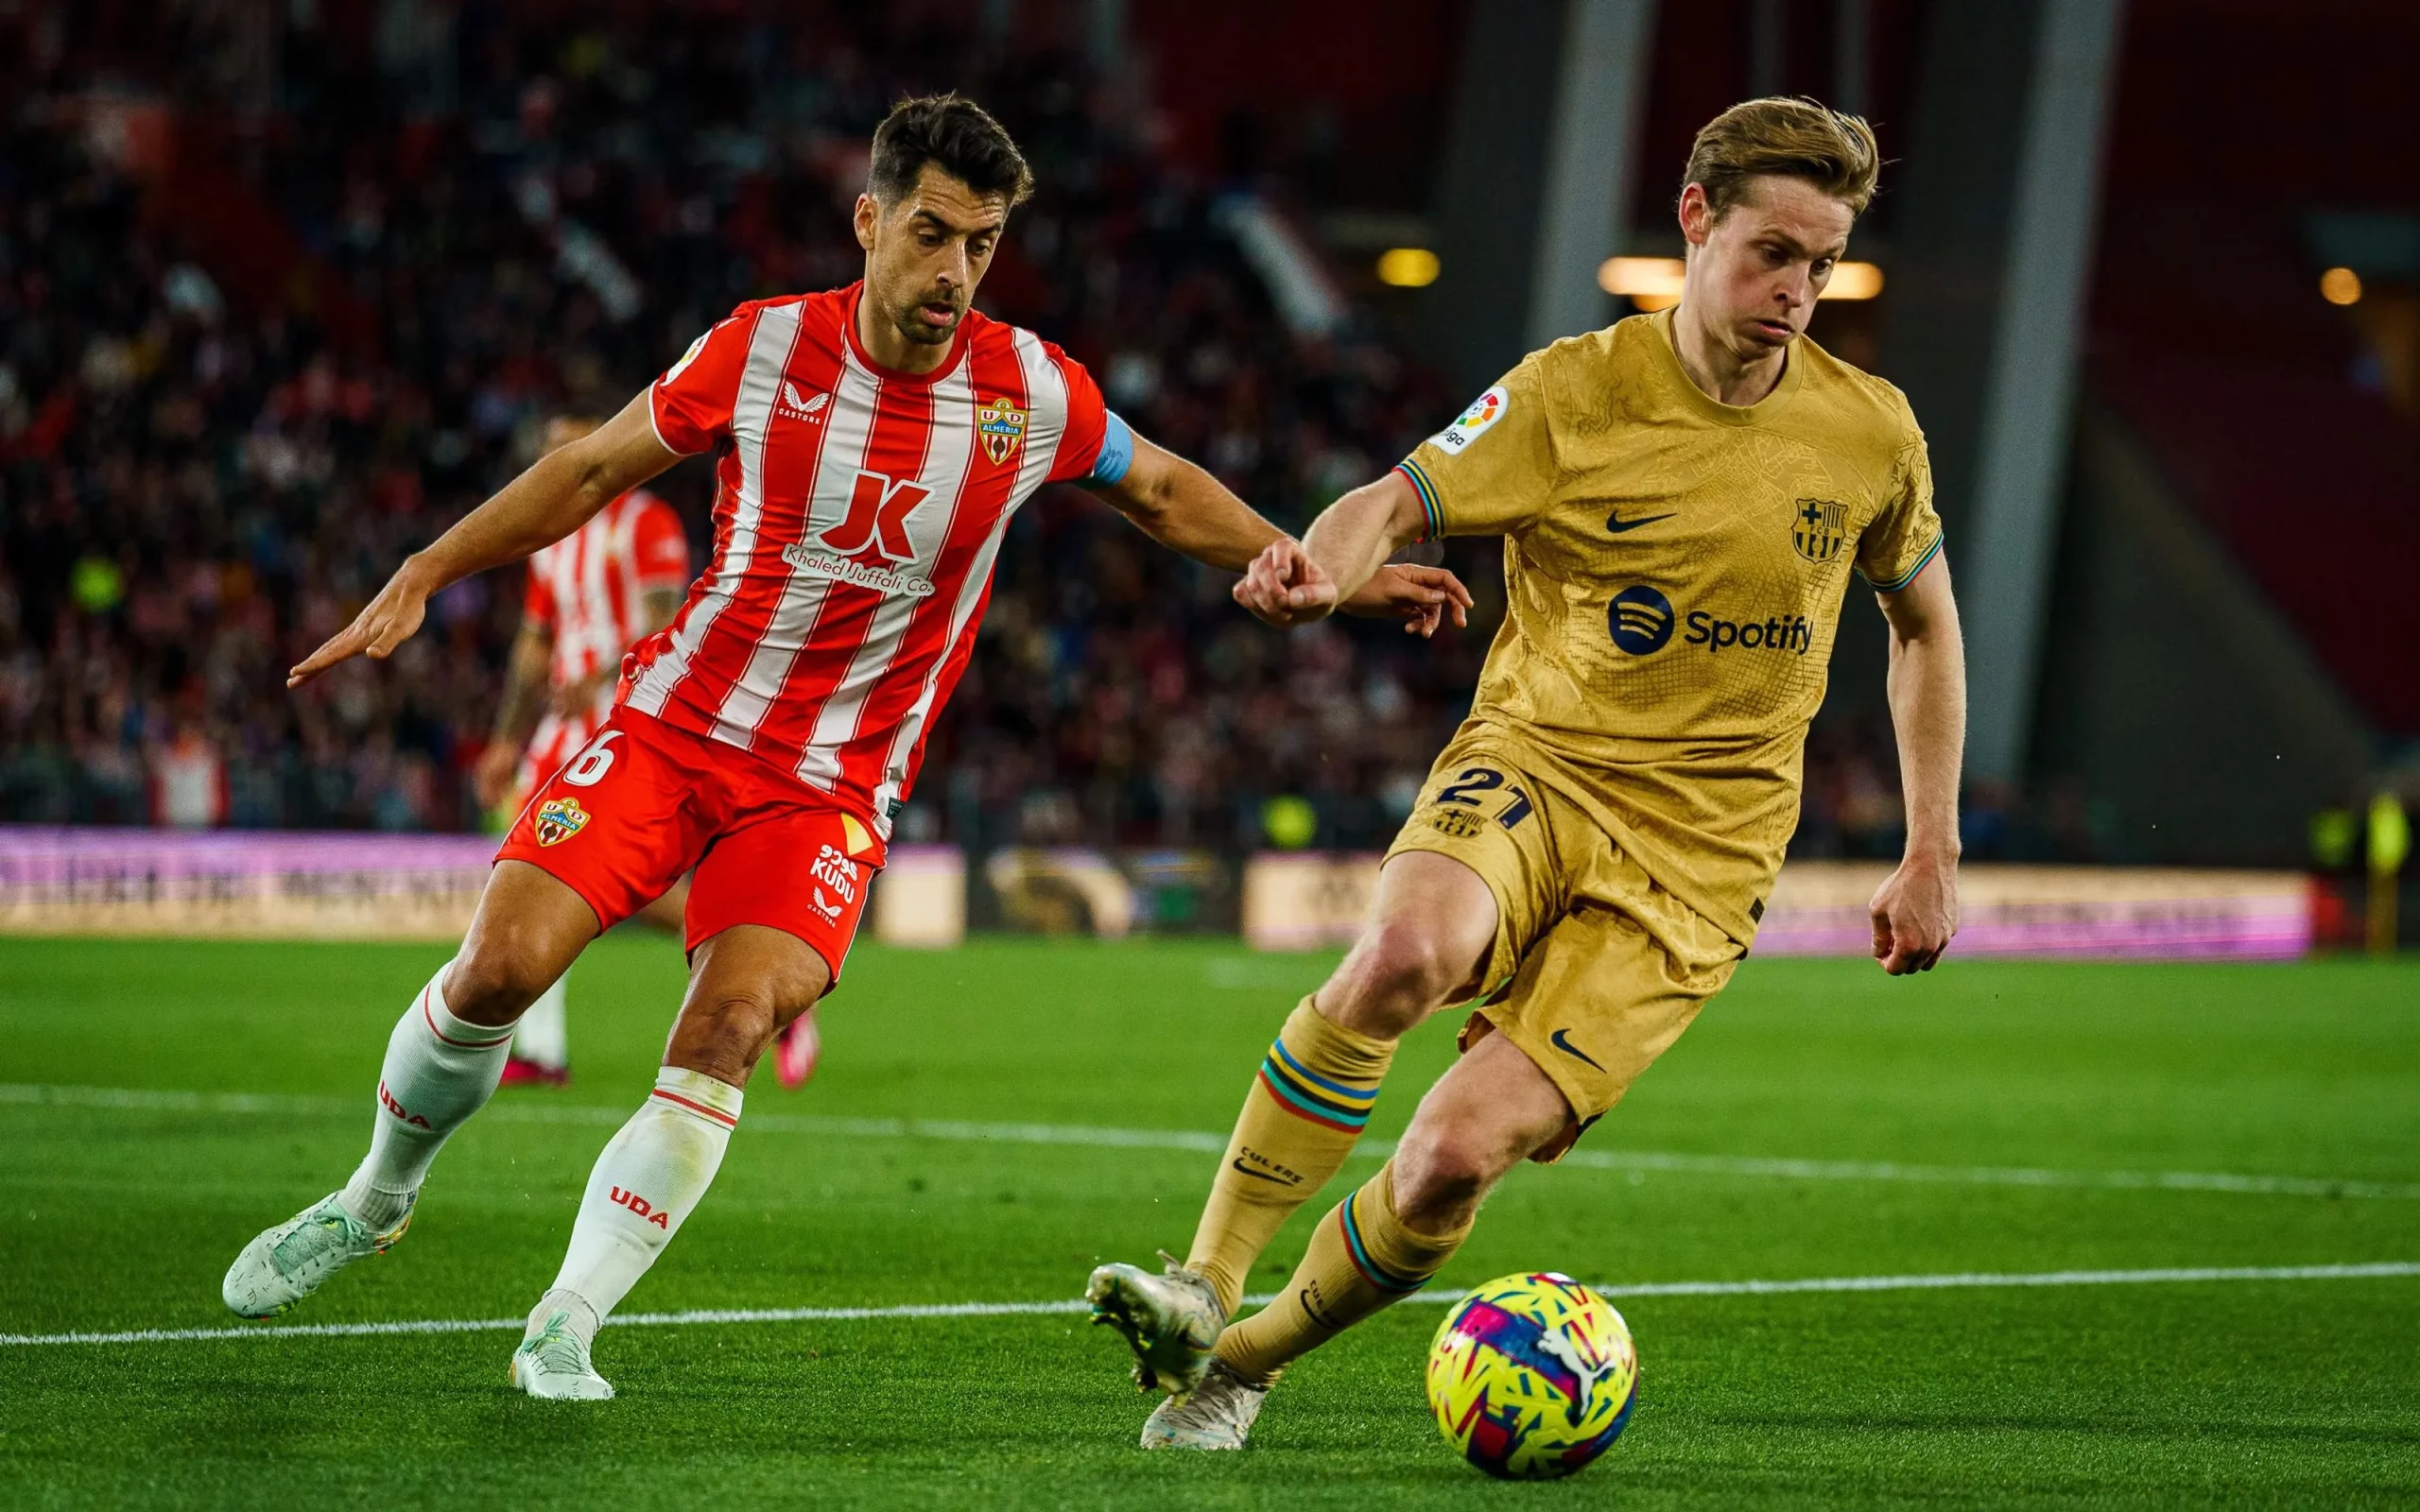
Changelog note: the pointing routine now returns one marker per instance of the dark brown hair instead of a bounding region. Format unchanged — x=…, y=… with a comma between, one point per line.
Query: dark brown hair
x=1794, y=138
x=956, y=135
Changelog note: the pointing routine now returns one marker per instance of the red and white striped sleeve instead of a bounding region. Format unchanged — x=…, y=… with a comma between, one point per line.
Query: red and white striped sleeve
x=691, y=403
x=1087, y=421
x=659, y=547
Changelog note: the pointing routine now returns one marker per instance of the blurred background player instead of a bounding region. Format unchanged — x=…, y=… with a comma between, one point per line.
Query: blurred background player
x=1682, y=497
x=591, y=597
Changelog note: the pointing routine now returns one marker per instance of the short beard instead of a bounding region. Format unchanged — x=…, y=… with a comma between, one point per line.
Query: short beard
x=921, y=333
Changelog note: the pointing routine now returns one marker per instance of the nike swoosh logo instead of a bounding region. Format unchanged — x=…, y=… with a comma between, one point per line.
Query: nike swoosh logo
x=1615, y=523
x=1238, y=1164
x=1562, y=1042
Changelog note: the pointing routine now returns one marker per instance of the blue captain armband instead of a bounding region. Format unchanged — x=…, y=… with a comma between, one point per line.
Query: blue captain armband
x=1116, y=454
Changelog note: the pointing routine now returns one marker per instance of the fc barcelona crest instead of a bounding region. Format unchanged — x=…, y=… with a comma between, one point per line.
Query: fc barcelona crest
x=559, y=819
x=1819, y=529
x=1002, y=426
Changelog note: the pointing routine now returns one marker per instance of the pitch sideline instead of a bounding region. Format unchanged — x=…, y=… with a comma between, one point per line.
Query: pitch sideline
x=1639, y=1162
x=1954, y=1281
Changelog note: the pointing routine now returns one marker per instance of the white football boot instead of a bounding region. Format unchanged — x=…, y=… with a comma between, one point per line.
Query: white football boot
x=1219, y=1414
x=284, y=1264
x=552, y=1363
x=1170, y=1321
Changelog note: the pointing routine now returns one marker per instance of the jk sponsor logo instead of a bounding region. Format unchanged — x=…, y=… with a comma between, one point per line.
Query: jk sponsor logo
x=856, y=573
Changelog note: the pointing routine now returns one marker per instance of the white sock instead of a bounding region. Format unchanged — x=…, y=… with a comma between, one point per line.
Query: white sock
x=543, y=1036
x=439, y=1070
x=649, y=1180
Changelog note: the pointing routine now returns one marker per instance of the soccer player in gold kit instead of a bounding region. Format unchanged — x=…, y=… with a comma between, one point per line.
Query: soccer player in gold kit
x=1682, y=497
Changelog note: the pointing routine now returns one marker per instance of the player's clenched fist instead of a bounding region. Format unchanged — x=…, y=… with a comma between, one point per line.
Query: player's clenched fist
x=1286, y=586
x=1915, y=915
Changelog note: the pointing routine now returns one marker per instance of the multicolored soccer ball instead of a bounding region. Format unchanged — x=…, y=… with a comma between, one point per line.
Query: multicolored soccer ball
x=1532, y=1376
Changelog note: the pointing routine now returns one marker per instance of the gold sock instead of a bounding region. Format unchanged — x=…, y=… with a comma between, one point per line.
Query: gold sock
x=1305, y=1109
x=1362, y=1259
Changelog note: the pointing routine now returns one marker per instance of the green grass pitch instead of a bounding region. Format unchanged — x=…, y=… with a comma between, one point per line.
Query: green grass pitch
x=2287, y=1393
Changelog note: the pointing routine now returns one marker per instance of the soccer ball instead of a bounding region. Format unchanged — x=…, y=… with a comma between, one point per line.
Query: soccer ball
x=1532, y=1376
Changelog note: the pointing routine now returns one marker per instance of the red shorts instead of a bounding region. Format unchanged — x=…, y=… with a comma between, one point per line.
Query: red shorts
x=644, y=802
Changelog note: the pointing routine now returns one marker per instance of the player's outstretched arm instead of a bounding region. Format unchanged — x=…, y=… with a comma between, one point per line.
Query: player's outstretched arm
x=1342, y=561
x=1182, y=506
x=1916, y=911
x=549, y=500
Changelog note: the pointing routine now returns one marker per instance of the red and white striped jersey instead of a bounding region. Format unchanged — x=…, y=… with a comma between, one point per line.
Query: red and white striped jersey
x=858, y=511
x=588, y=589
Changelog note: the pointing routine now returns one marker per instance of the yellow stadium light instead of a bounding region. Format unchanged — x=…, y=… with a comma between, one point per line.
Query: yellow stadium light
x=2341, y=285
x=1408, y=267
x=1650, y=282
x=1854, y=280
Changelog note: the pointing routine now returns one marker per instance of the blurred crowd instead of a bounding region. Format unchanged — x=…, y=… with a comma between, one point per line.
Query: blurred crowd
x=505, y=219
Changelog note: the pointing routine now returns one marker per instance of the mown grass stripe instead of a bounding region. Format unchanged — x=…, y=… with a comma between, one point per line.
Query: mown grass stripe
x=1962, y=1280
x=1768, y=1167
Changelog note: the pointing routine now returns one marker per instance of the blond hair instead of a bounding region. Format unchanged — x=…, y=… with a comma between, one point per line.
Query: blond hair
x=1794, y=138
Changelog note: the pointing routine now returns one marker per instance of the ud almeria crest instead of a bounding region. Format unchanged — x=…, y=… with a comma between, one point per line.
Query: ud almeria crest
x=1819, y=529
x=1002, y=426
x=559, y=819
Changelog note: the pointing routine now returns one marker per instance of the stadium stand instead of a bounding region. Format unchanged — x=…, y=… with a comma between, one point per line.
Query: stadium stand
x=228, y=411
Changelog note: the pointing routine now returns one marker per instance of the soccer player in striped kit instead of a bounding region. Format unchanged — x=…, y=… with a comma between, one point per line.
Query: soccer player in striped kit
x=871, y=444
x=590, y=598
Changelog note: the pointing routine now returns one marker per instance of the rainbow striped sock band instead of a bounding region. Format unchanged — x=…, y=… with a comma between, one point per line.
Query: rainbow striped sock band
x=1376, y=1273
x=1307, y=1094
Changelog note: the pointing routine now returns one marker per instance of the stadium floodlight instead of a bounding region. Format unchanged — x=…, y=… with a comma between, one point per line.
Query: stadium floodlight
x=1408, y=267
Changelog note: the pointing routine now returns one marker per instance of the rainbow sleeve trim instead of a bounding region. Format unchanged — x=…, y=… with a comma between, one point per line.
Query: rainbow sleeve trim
x=1910, y=576
x=1412, y=469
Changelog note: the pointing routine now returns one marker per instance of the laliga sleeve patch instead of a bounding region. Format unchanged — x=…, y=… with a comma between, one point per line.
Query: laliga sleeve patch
x=688, y=357
x=1473, y=423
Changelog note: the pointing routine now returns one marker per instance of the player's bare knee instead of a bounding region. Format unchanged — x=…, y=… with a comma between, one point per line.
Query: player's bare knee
x=737, y=1022
x=1441, y=1174
x=1396, y=976
x=492, y=982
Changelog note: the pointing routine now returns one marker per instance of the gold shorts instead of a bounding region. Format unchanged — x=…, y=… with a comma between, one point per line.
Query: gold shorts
x=1596, y=969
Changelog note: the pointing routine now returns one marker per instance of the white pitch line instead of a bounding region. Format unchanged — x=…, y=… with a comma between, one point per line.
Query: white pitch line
x=1777, y=1168
x=1954, y=1281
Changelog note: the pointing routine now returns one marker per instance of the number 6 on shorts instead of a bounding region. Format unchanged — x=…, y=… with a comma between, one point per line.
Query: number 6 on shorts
x=595, y=759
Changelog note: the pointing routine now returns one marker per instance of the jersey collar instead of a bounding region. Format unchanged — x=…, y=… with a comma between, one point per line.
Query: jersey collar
x=1677, y=377
x=856, y=292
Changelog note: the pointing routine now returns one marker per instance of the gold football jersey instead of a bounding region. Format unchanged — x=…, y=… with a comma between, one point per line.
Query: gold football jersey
x=1673, y=572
